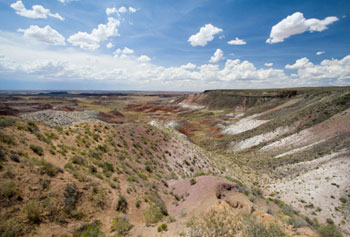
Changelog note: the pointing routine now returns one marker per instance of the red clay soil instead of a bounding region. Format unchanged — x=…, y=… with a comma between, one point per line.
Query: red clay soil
x=112, y=117
x=200, y=196
x=154, y=108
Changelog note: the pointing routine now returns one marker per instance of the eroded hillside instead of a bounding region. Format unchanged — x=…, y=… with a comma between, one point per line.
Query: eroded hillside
x=218, y=163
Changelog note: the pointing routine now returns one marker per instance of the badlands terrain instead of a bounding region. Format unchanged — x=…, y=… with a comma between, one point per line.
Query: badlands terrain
x=272, y=162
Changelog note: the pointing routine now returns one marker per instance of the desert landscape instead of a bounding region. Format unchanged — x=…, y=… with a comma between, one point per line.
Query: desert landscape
x=186, y=118
x=218, y=163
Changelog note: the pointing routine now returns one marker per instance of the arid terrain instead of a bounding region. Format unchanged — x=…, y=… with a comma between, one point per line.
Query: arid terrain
x=272, y=162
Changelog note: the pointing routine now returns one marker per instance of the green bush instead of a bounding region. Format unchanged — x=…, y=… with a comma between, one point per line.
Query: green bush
x=121, y=226
x=122, y=205
x=329, y=230
x=31, y=127
x=71, y=197
x=215, y=224
x=193, y=181
x=296, y=222
x=7, y=190
x=37, y=149
x=49, y=169
x=257, y=229
x=6, y=121
x=153, y=214
x=89, y=230
x=33, y=212
x=7, y=139
x=162, y=227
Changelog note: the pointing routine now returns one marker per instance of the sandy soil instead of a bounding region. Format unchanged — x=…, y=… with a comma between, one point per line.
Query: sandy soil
x=244, y=124
x=320, y=184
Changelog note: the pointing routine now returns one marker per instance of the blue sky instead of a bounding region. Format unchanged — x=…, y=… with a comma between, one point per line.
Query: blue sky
x=173, y=45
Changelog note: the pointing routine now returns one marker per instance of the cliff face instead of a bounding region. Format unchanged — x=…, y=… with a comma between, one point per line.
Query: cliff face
x=245, y=99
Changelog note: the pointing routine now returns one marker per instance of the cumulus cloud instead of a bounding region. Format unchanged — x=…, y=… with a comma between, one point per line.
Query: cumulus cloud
x=45, y=34
x=92, y=41
x=132, y=10
x=334, y=69
x=109, y=45
x=122, y=9
x=297, y=24
x=143, y=58
x=320, y=52
x=189, y=66
x=35, y=62
x=268, y=64
x=205, y=34
x=237, y=41
x=218, y=55
x=300, y=63
x=123, y=52
x=37, y=11
x=110, y=11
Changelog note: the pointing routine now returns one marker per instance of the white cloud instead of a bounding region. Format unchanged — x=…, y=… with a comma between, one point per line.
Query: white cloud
x=237, y=41
x=189, y=66
x=110, y=11
x=143, y=58
x=45, y=34
x=268, y=64
x=218, y=55
x=109, y=45
x=320, y=52
x=37, y=11
x=126, y=50
x=31, y=61
x=101, y=33
x=132, y=10
x=297, y=24
x=300, y=63
x=334, y=69
x=122, y=9
x=205, y=34
x=222, y=37
x=123, y=53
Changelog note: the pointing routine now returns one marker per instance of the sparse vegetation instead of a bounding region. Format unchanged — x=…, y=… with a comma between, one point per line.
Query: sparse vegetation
x=121, y=226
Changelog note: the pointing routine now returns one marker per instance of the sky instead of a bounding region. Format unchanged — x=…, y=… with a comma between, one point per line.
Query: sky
x=183, y=45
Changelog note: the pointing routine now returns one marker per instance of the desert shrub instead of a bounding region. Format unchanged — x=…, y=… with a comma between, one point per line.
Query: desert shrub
x=121, y=226
x=162, y=227
x=142, y=176
x=42, y=138
x=234, y=180
x=78, y=160
x=95, y=154
x=7, y=139
x=257, y=229
x=31, y=127
x=288, y=210
x=7, y=190
x=153, y=214
x=107, y=167
x=71, y=197
x=2, y=155
x=37, y=149
x=89, y=230
x=343, y=200
x=49, y=169
x=193, y=181
x=122, y=205
x=156, y=199
x=14, y=157
x=132, y=179
x=330, y=221
x=6, y=121
x=296, y=222
x=329, y=230
x=214, y=223
x=12, y=227
x=33, y=212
